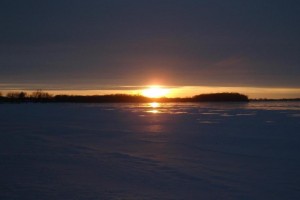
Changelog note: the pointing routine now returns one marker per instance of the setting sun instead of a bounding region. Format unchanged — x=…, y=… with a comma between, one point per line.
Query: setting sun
x=155, y=92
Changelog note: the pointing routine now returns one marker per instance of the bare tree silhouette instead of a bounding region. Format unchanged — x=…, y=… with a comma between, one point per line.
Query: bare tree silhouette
x=16, y=95
x=40, y=96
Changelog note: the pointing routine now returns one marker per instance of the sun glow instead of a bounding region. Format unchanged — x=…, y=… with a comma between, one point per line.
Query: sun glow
x=155, y=92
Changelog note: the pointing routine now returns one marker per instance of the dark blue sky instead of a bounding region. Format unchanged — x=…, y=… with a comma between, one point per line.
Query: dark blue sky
x=99, y=43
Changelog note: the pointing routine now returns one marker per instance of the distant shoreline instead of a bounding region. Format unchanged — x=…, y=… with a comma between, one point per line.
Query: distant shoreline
x=43, y=97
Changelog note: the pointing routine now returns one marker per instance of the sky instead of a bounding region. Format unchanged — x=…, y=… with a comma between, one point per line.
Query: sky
x=124, y=45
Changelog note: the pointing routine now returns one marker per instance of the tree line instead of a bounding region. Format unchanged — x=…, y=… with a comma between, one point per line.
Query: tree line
x=41, y=96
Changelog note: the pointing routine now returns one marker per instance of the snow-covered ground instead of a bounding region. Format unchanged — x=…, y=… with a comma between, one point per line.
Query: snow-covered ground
x=149, y=151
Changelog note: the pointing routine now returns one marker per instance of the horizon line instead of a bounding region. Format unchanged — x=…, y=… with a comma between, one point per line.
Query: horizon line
x=175, y=91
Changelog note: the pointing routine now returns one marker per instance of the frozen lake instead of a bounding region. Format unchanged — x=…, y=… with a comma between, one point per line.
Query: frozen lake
x=150, y=151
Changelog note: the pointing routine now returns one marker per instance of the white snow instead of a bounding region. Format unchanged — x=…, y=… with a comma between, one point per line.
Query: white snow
x=133, y=151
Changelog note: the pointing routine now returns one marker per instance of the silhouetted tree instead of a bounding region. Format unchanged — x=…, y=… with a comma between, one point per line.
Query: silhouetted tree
x=22, y=95
x=12, y=95
x=40, y=96
x=16, y=96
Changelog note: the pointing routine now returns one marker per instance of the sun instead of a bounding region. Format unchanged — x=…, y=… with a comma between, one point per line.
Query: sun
x=155, y=92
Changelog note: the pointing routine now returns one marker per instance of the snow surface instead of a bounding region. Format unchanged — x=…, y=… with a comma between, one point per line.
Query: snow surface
x=135, y=151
